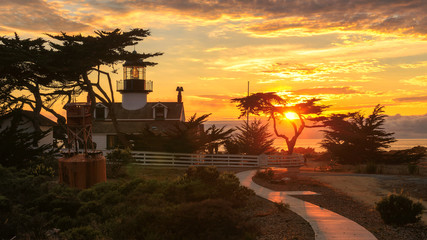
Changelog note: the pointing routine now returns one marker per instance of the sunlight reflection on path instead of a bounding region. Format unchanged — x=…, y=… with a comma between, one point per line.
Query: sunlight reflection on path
x=326, y=224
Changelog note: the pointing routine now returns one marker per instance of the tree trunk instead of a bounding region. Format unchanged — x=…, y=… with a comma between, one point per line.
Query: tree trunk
x=291, y=145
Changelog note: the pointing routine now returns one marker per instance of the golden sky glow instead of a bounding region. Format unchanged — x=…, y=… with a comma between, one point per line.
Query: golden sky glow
x=352, y=54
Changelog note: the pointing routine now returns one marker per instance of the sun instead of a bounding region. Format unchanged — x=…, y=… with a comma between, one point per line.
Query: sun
x=291, y=115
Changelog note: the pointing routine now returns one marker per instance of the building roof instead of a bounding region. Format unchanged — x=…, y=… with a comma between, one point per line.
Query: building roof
x=174, y=111
x=137, y=121
x=44, y=121
x=157, y=127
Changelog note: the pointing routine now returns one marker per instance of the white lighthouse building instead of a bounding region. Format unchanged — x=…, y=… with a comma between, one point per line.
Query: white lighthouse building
x=134, y=87
x=135, y=114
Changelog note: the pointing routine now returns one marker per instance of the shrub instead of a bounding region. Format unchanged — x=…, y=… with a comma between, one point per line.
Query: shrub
x=42, y=169
x=413, y=169
x=307, y=152
x=208, y=219
x=204, y=174
x=281, y=206
x=116, y=160
x=82, y=233
x=410, y=156
x=371, y=168
x=399, y=209
x=266, y=174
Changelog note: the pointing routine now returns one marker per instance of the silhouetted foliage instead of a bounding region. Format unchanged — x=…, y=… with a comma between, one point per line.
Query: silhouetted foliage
x=187, y=137
x=354, y=138
x=116, y=160
x=216, y=137
x=252, y=138
x=33, y=207
x=275, y=107
x=399, y=209
x=307, y=152
x=62, y=70
x=265, y=174
x=183, y=137
x=20, y=149
x=409, y=156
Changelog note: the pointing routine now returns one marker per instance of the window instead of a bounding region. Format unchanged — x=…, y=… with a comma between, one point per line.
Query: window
x=112, y=141
x=100, y=113
x=159, y=113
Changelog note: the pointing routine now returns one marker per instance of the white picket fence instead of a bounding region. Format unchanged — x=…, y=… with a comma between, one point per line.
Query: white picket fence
x=218, y=160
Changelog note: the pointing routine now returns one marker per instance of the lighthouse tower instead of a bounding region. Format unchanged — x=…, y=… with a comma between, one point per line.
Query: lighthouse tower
x=134, y=87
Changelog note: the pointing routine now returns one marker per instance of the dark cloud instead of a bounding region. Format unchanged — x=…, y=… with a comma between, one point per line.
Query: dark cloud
x=325, y=90
x=407, y=126
x=402, y=16
x=411, y=99
x=35, y=15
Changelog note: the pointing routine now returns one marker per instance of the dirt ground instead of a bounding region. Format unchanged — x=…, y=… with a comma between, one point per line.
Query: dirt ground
x=350, y=195
x=370, y=188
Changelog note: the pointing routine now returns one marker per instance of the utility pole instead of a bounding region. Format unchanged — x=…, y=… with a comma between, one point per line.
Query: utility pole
x=247, y=113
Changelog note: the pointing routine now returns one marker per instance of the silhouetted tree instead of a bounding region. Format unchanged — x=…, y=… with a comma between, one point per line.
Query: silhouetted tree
x=26, y=64
x=354, y=138
x=252, y=138
x=65, y=68
x=19, y=146
x=187, y=137
x=216, y=137
x=275, y=107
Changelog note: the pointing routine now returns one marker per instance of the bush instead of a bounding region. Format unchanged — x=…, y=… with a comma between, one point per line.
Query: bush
x=413, y=169
x=41, y=169
x=116, y=160
x=33, y=206
x=204, y=174
x=410, y=156
x=281, y=206
x=371, y=168
x=208, y=219
x=307, y=152
x=398, y=209
x=82, y=233
x=266, y=174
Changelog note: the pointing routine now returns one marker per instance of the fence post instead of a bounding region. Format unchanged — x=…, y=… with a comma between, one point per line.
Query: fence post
x=262, y=160
x=173, y=159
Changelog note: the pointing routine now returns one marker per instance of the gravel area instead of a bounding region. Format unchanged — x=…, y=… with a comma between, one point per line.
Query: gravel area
x=344, y=205
x=273, y=223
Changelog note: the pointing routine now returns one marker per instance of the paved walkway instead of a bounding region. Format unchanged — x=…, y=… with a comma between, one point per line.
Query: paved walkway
x=326, y=224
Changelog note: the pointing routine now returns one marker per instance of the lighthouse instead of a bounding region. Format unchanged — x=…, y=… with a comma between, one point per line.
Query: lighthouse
x=134, y=87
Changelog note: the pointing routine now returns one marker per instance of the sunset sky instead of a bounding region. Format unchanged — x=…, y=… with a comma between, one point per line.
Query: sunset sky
x=353, y=54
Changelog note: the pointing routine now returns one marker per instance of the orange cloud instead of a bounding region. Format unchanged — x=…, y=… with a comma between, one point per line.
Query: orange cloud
x=417, y=81
x=36, y=15
x=265, y=16
x=325, y=90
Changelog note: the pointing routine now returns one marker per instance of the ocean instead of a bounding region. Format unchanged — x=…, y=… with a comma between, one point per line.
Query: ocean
x=314, y=142
x=400, y=144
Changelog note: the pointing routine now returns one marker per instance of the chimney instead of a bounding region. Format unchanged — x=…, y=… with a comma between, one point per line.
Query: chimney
x=179, y=90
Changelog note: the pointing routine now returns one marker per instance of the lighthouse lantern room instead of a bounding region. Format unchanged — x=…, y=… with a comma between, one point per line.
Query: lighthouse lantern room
x=134, y=87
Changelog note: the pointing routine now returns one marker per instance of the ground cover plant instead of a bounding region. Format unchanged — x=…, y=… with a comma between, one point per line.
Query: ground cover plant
x=36, y=206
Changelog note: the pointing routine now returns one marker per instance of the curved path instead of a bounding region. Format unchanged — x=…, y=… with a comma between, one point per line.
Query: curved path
x=326, y=224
